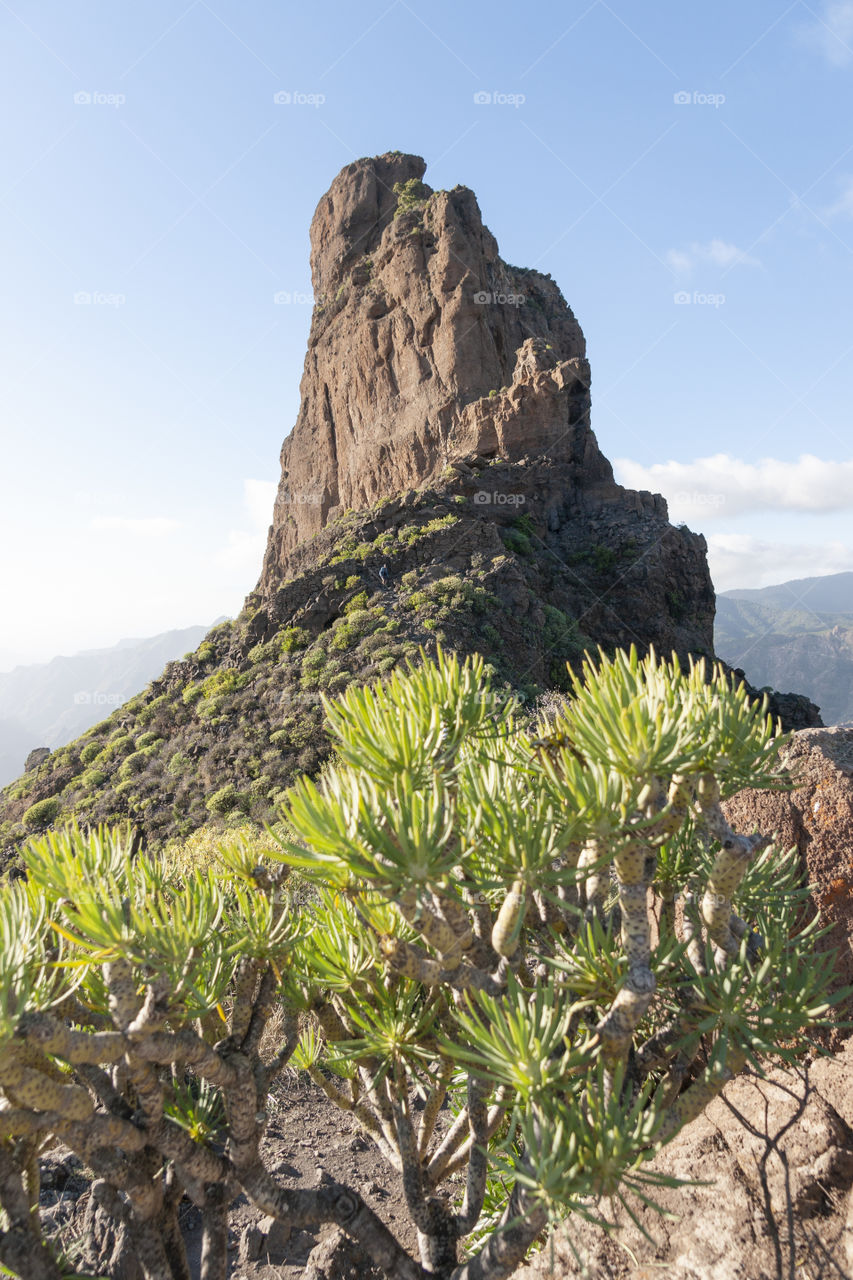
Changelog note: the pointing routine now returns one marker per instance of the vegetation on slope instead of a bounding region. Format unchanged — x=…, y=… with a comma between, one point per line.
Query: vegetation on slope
x=223, y=732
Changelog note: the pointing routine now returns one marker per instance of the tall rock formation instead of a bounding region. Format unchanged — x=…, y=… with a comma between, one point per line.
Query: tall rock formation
x=425, y=348
x=444, y=433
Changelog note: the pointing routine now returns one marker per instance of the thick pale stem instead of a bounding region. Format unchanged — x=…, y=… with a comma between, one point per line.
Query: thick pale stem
x=214, y=1236
x=475, y=1187
x=693, y=1101
x=635, y=871
x=433, y=1105
x=735, y=854
x=506, y=930
x=595, y=883
x=412, y=962
x=333, y=1203
x=523, y=1220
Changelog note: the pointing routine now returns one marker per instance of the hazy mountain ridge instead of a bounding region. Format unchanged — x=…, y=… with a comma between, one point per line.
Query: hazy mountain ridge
x=796, y=635
x=47, y=704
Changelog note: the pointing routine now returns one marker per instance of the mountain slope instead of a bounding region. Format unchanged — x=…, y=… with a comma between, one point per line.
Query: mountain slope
x=444, y=438
x=830, y=594
x=798, y=635
x=48, y=704
x=226, y=730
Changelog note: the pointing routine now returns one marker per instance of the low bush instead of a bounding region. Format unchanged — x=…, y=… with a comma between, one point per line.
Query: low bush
x=477, y=934
x=42, y=813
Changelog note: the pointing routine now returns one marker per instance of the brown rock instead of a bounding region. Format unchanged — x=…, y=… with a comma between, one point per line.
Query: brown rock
x=817, y=818
x=276, y=1237
x=433, y=364
x=772, y=1164
x=425, y=347
x=37, y=756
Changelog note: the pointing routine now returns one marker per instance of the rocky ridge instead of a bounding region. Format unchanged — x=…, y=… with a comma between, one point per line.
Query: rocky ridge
x=425, y=349
x=444, y=434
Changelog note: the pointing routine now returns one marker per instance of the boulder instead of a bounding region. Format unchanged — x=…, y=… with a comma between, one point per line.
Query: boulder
x=817, y=818
x=36, y=757
x=771, y=1166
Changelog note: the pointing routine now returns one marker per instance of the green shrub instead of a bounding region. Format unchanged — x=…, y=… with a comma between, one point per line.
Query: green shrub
x=147, y=740
x=356, y=603
x=467, y=919
x=225, y=800
x=516, y=541
x=294, y=638
x=42, y=813
x=313, y=661
x=135, y=763
x=491, y=635
x=410, y=195
x=149, y=710
x=117, y=747
x=89, y=752
x=262, y=652
x=603, y=559
x=93, y=778
x=178, y=764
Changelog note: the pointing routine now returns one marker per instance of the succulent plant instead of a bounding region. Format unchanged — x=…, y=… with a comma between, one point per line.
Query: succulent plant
x=549, y=934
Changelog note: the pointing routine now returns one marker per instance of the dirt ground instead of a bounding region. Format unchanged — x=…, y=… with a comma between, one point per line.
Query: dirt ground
x=769, y=1155
x=307, y=1140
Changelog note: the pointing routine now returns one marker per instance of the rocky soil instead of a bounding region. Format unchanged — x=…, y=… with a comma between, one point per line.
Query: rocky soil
x=770, y=1163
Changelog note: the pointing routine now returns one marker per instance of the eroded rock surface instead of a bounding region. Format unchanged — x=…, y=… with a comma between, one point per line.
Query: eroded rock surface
x=774, y=1163
x=817, y=818
x=426, y=349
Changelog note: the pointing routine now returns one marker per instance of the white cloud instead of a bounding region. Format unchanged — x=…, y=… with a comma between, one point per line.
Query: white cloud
x=716, y=253
x=722, y=486
x=738, y=560
x=832, y=32
x=243, y=552
x=144, y=526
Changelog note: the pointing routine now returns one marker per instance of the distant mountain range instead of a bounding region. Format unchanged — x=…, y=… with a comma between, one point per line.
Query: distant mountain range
x=50, y=703
x=797, y=636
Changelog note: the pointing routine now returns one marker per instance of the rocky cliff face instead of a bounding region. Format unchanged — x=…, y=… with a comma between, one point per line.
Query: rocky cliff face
x=425, y=348
x=433, y=364
x=443, y=434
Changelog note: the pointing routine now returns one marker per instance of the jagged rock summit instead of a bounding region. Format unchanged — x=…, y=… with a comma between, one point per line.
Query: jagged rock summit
x=426, y=348
x=443, y=435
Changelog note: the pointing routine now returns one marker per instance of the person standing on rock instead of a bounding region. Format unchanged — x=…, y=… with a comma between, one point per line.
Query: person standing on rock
x=383, y=575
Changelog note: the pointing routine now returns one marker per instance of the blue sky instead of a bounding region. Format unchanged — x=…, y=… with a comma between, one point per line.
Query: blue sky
x=684, y=172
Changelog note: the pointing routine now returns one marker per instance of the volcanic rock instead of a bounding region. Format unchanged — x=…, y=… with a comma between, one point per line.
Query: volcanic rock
x=416, y=319
x=817, y=818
